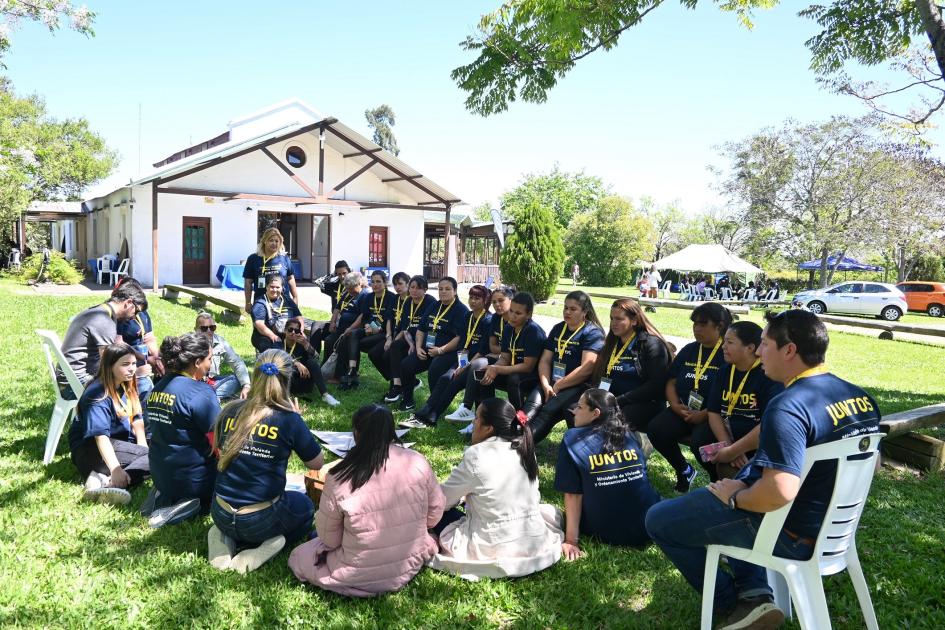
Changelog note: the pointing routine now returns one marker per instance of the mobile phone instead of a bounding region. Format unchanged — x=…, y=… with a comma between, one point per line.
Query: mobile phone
x=479, y=374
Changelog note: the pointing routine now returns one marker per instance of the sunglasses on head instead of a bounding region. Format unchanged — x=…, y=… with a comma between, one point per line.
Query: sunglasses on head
x=210, y=328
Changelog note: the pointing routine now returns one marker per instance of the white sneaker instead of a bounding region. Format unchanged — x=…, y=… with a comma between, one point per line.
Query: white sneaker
x=462, y=414
x=98, y=489
x=467, y=430
x=330, y=400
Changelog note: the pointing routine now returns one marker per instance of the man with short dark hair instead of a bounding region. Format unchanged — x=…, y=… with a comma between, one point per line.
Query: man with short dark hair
x=95, y=328
x=814, y=408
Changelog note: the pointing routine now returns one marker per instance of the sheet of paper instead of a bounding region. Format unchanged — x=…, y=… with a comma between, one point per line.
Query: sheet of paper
x=340, y=442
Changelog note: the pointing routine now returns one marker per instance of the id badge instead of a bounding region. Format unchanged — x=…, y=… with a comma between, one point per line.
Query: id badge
x=557, y=371
x=375, y=325
x=695, y=401
x=604, y=384
x=260, y=283
x=462, y=358
x=430, y=341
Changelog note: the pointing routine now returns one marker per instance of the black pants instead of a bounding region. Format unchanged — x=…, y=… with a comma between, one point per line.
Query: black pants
x=357, y=342
x=667, y=430
x=412, y=366
x=513, y=384
x=261, y=343
x=543, y=416
x=302, y=386
x=638, y=415
x=318, y=337
x=472, y=385
x=388, y=361
x=442, y=393
x=324, y=341
x=132, y=458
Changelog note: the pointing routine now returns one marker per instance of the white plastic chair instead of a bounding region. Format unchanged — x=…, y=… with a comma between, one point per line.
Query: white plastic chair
x=63, y=410
x=710, y=293
x=770, y=296
x=665, y=290
x=14, y=260
x=725, y=293
x=834, y=551
x=122, y=270
x=751, y=295
x=103, y=266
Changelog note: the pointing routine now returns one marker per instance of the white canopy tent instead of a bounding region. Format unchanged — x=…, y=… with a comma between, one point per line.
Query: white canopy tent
x=706, y=259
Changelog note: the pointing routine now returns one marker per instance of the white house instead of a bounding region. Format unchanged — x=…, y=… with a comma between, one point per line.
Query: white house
x=333, y=193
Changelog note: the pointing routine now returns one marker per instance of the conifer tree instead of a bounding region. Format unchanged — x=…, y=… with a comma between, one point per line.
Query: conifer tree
x=533, y=257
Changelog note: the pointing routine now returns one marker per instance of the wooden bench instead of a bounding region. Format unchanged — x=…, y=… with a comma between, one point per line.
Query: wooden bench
x=652, y=303
x=903, y=444
x=887, y=328
x=231, y=310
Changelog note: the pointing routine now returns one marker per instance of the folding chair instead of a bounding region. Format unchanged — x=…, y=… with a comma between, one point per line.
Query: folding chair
x=751, y=295
x=770, y=296
x=103, y=267
x=710, y=293
x=665, y=290
x=725, y=293
x=119, y=273
x=834, y=551
x=63, y=409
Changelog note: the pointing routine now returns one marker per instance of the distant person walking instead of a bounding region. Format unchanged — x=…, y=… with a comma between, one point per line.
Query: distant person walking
x=575, y=273
x=653, y=280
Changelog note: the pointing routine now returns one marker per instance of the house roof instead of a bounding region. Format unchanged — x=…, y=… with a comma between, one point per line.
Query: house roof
x=40, y=211
x=292, y=118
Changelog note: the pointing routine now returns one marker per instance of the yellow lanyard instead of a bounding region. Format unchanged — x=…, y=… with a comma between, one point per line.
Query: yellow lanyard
x=338, y=292
x=278, y=309
x=515, y=341
x=440, y=315
x=731, y=379
x=266, y=261
x=814, y=371
x=292, y=350
x=378, y=305
x=399, y=309
x=616, y=355
x=562, y=344
x=346, y=303
x=700, y=368
x=140, y=324
x=471, y=327
x=413, y=307
x=124, y=409
x=501, y=328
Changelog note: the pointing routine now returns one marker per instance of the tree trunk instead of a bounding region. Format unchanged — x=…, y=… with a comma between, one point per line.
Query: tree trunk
x=824, y=255
x=934, y=28
x=836, y=264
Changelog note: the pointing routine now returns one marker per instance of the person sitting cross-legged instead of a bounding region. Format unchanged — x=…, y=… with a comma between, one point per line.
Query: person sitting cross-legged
x=226, y=386
x=306, y=371
x=373, y=517
x=729, y=511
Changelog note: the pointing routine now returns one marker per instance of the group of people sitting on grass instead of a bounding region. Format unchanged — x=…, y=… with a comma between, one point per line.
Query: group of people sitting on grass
x=747, y=402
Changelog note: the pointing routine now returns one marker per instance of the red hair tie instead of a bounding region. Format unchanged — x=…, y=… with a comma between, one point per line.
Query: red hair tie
x=521, y=417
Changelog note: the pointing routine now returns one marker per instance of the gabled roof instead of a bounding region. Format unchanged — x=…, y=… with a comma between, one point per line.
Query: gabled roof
x=292, y=118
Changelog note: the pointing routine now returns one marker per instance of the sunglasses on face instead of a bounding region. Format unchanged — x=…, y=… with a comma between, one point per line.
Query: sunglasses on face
x=293, y=331
x=210, y=328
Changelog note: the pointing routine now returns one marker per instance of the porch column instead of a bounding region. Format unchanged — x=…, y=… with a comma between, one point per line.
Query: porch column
x=446, y=242
x=154, y=236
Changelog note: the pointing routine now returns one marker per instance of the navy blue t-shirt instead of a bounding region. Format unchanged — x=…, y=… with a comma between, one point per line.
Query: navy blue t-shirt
x=180, y=413
x=350, y=308
x=813, y=410
x=96, y=415
x=256, y=270
x=626, y=374
x=400, y=309
x=498, y=327
x=528, y=342
x=282, y=308
x=616, y=491
x=449, y=325
x=379, y=309
x=683, y=369
x=132, y=332
x=257, y=474
x=474, y=329
x=754, y=398
x=413, y=314
x=590, y=338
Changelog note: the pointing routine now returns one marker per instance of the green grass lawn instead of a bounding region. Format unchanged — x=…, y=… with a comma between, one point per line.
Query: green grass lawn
x=65, y=563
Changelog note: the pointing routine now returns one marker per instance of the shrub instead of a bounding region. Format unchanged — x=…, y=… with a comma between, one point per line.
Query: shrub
x=607, y=242
x=59, y=270
x=534, y=254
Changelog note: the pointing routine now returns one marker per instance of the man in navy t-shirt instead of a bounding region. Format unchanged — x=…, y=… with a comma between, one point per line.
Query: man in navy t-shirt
x=815, y=407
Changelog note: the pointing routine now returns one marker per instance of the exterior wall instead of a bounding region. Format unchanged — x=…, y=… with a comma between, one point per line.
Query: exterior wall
x=404, y=238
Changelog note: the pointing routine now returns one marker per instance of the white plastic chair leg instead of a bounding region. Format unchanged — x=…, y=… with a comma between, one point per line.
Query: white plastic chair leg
x=807, y=591
x=782, y=594
x=708, y=587
x=859, y=585
x=61, y=414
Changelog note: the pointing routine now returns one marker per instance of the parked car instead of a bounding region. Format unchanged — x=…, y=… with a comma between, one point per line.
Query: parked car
x=925, y=297
x=858, y=298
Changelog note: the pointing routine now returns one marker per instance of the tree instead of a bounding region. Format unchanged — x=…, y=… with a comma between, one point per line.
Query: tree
x=526, y=46
x=51, y=13
x=565, y=194
x=534, y=254
x=608, y=241
x=482, y=212
x=42, y=158
x=667, y=222
x=819, y=187
x=381, y=119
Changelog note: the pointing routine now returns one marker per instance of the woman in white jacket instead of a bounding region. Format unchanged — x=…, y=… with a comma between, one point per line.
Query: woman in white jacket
x=505, y=531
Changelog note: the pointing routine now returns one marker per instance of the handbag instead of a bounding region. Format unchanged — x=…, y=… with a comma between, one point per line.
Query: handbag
x=328, y=367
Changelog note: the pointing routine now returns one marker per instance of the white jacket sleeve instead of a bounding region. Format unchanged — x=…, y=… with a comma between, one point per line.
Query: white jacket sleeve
x=462, y=481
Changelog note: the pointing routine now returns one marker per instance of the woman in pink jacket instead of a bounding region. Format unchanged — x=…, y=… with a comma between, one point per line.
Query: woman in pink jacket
x=373, y=516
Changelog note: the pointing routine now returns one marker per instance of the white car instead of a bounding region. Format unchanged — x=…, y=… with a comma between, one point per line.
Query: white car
x=858, y=298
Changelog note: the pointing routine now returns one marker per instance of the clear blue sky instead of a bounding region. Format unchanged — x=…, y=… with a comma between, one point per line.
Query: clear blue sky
x=645, y=117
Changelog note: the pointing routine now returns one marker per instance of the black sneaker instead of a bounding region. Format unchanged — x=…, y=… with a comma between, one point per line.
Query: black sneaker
x=407, y=405
x=758, y=613
x=684, y=479
x=349, y=381
x=393, y=395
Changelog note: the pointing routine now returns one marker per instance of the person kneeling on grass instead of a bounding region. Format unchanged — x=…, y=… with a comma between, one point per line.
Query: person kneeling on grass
x=180, y=412
x=505, y=531
x=378, y=488
x=253, y=514
x=601, y=470
x=729, y=511
x=107, y=439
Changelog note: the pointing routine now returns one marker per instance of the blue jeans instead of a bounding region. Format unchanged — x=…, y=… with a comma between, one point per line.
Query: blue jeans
x=290, y=516
x=227, y=387
x=682, y=527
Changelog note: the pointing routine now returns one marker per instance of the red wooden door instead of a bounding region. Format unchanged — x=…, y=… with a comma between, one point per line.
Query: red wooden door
x=196, y=250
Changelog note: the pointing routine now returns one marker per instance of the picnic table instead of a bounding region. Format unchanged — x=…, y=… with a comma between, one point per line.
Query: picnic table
x=231, y=276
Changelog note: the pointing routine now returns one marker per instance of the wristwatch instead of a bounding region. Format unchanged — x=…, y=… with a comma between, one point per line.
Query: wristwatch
x=731, y=500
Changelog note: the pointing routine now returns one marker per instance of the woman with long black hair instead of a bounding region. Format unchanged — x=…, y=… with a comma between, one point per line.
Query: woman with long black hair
x=379, y=487
x=405, y=337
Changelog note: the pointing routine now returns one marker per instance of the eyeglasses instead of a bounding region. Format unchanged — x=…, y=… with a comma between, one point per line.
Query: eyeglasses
x=293, y=331
x=210, y=328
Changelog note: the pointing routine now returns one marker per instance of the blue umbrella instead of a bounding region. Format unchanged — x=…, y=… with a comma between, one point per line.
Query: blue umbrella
x=846, y=264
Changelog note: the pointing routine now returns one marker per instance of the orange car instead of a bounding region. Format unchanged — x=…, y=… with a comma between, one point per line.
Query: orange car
x=927, y=297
